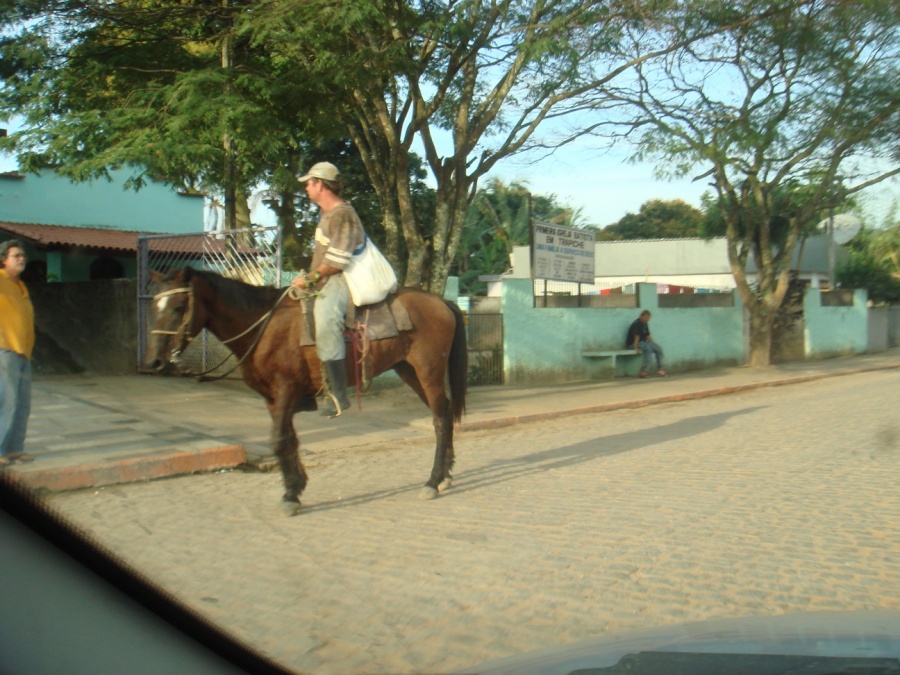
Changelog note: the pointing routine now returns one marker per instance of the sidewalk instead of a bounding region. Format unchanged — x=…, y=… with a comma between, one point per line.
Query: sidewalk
x=90, y=431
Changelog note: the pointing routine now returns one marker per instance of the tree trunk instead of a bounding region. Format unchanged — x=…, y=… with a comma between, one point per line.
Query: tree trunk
x=448, y=225
x=761, y=321
x=391, y=226
x=242, y=218
x=228, y=147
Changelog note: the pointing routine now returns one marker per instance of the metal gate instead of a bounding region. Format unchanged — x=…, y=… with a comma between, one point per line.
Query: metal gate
x=484, y=324
x=250, y=255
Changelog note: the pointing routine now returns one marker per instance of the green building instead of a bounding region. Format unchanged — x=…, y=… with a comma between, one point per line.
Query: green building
x=84, y=231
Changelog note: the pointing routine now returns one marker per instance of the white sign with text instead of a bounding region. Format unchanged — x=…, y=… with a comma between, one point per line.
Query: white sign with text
x=562, y=254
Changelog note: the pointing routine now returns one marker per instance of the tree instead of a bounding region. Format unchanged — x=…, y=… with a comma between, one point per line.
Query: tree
x=471, y=82
x=233, y=94
x=168, y=89
x=657, y=219
x=357, y=189
x=884, y=245
x=874, y=264
x=499, y=219
x=219, y=96
x=176, y=92
x=803, y=96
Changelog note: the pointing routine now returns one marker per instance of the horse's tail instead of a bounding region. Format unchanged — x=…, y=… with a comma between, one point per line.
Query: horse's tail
x=458, y=365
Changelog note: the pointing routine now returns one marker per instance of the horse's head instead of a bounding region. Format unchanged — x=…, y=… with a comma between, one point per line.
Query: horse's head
x=173, y=319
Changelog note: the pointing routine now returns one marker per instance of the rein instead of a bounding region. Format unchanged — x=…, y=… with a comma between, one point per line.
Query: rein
x=185, y=324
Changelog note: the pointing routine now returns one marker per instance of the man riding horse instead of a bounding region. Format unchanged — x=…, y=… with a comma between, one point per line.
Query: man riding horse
x=339, y=233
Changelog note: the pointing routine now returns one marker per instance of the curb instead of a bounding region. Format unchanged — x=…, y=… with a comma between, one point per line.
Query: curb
x=673, y=398
x=99, y=474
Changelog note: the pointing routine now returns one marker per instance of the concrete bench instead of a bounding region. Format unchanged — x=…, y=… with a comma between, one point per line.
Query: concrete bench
x=611, y=354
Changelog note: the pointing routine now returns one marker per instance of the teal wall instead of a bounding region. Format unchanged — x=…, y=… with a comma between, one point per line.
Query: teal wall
x=544, y=345
x=834, y=331
x=77, y=266
x=451, y=289
x=50, y=200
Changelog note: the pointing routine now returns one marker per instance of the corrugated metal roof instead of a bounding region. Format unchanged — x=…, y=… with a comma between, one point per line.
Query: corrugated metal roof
x=49, y=237
x=52, y=236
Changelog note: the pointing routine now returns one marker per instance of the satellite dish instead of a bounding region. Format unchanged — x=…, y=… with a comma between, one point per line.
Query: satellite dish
x=845, y=227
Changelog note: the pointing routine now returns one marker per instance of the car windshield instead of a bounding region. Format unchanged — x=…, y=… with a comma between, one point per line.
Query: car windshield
x=439, y=336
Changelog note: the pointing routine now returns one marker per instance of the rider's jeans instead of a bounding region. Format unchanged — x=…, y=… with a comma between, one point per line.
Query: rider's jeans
x=329, y=311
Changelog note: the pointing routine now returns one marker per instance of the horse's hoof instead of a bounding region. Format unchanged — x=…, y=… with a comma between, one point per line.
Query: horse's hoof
x=290, y=508
x=427, y=493
x=445, y=484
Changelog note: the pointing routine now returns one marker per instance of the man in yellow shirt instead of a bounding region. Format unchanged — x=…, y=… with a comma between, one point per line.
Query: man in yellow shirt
x=16, y=345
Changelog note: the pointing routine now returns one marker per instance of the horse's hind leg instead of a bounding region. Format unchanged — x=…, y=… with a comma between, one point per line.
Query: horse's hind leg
x=436, y=399
x=443, y=430
x=440, y=477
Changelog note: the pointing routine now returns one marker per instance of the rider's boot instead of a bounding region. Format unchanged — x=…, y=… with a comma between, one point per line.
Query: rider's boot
x=336, y=385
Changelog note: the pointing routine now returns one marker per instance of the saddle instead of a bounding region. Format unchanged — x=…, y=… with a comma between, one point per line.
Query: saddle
x=362, y=325
x=377, y=321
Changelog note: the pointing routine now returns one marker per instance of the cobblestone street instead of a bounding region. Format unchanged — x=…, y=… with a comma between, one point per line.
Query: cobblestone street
x=758, y=503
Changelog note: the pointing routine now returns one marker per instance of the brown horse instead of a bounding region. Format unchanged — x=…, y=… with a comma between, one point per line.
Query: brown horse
x=288, y=375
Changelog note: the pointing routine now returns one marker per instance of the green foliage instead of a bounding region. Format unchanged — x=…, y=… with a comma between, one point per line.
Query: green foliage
x=168, y=89
x=227, y=96
x=657, y=219
x=864, y=271
x=471, y=82
x=884, y=247
x=874, y=264
x=186, y=94
x=778, y=111
x=785, y=206
x=496, y=221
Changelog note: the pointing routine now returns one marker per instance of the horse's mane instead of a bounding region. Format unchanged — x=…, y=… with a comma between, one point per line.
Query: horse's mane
x=233, y=291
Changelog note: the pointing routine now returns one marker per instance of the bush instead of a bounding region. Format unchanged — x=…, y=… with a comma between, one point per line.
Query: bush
x=862, y=271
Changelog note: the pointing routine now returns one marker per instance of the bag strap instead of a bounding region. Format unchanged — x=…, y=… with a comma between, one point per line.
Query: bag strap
x=362, y=247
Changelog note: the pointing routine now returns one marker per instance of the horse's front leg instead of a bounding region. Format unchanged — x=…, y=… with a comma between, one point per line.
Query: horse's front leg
x=286, y=448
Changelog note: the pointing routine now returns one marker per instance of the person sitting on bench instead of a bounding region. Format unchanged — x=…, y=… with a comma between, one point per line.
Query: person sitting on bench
x=641, y=341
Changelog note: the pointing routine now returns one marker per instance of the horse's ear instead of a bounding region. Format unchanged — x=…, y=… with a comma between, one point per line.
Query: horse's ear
x=180, y=276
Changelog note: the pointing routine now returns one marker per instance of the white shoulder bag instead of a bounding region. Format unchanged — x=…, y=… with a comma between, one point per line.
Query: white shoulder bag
x=369, y=275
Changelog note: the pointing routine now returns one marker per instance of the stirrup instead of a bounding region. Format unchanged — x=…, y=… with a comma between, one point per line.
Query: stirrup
x=336, y=409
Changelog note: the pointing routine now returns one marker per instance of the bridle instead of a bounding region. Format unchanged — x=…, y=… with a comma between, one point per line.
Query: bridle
x=184, y=339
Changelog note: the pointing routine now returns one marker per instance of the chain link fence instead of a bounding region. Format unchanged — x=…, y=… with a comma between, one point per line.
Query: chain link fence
x=250, y=255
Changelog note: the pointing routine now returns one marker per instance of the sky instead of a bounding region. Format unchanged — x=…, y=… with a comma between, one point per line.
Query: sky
x=606, y=186
x=603, y=184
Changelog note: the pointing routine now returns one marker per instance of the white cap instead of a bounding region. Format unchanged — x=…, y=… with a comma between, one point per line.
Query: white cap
x=323, y=171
